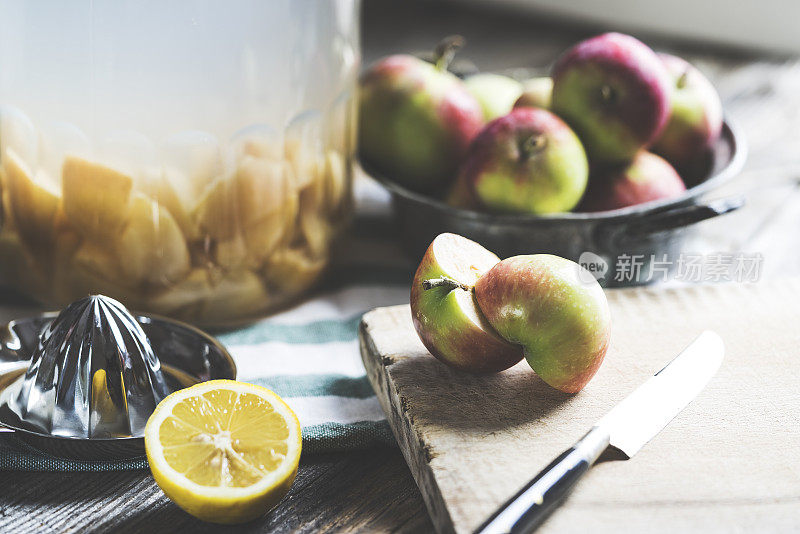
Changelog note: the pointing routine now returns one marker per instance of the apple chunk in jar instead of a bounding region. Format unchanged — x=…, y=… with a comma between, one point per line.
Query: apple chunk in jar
x=211, y=200
x=257, y=234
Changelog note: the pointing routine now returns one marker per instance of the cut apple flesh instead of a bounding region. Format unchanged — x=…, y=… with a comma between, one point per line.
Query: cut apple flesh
x=293, y=269
x=446, y=315
x=151, y=246
x=466, y=302
x=96, y=198
x=161, y=188
x=261, y=187
x=203, y=299
x=34, y=201
x=94, y=269
x=216, y=212
x=465, y=261
x=461, y=259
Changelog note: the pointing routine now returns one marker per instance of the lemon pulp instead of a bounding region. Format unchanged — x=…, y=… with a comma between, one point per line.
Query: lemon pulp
x=224, y=451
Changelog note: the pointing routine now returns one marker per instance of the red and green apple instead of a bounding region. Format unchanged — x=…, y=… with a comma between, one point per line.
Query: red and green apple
x=645, y=179
x=536, y=93
x=615, y=93
x=416, y=121
x=528, y=161
x=495, y=93
x=695, y=121
x=444, y=310
x=559, y=316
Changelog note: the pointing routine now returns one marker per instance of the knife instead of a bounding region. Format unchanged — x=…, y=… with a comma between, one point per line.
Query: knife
x=627, y=427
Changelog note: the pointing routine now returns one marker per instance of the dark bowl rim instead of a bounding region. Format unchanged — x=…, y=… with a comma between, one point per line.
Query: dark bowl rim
x=125, y=439
x=733, y=167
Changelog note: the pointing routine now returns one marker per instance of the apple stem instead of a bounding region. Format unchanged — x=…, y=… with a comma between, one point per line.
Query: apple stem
x=532, y=145
x=607, y=93
x=446, y=50
x=445, y=282
x=681, y=83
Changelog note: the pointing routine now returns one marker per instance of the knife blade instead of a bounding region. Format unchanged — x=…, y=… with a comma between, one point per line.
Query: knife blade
x=628, y=427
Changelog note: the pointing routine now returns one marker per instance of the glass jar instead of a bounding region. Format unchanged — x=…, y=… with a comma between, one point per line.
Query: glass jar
x=189, y=158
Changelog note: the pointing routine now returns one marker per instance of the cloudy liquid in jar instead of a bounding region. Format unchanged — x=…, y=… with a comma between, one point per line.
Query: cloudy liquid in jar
x=188, y=158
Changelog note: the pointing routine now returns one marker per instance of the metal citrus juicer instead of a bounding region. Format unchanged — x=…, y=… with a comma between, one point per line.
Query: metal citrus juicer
x=82, y=383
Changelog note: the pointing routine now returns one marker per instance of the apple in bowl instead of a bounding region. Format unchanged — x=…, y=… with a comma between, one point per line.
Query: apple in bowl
x=615, y=93
x=415, y=121
x=536, y=93
x=495, y=93
x=645, y=179
x=695, y=120
x=528, y=161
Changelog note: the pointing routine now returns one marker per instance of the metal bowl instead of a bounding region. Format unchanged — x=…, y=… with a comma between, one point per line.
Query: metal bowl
x=653, y=231
x=188, y=356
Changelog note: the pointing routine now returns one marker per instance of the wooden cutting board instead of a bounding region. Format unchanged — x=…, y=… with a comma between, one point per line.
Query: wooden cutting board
x=729, y=462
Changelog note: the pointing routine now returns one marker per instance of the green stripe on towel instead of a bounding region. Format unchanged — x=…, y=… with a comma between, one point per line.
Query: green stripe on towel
x=312, y=333
x=317, y=385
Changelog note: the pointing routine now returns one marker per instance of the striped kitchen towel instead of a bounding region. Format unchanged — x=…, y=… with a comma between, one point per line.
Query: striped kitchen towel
x=308, y=354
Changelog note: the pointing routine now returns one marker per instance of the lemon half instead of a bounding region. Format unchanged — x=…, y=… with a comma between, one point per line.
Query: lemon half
x=224, y=451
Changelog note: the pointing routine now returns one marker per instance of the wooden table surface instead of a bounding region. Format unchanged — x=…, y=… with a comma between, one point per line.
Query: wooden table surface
x=373, y=490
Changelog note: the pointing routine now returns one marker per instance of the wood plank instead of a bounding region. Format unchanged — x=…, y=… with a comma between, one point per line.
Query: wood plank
x=727, y=462
x=366, y=490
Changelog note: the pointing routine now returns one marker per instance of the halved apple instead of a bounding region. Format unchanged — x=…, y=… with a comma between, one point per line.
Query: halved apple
x=152, y=248
x=552, y=308
x=445, y=313
x=96, y=198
